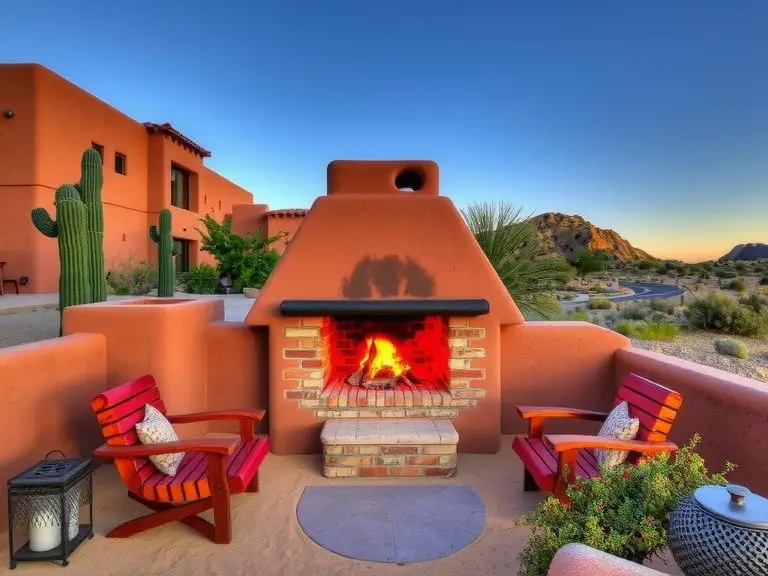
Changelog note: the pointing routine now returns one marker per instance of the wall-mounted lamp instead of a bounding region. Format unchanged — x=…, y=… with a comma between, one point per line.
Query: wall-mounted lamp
x=8, y=113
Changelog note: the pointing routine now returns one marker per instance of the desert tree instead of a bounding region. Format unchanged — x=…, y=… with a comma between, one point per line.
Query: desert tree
x=519, y=257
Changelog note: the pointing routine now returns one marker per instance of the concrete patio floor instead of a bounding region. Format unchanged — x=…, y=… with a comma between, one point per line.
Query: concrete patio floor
x=267, y=539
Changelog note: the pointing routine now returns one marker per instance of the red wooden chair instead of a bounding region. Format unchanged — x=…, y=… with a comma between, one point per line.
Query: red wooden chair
x=212, y=470
x=546, y=457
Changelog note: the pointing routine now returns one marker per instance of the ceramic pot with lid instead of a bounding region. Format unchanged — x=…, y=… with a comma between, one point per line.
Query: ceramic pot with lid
x=720, y=531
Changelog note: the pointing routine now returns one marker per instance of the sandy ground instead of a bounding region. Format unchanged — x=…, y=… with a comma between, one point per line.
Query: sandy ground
x=268, y=540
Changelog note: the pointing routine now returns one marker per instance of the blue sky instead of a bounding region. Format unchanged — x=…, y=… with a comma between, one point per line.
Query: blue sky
x=649, y=117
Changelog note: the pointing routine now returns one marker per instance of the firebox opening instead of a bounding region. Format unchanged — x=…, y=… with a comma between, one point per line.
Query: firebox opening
x=409, y=180
x=405, y=352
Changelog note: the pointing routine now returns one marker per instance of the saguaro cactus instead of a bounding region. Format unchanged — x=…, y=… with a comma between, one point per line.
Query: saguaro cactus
x=91, y=182
x=70, y=228
x=166, y=281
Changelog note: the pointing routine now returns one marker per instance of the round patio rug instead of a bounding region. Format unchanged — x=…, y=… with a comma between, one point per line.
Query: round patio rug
x=393, y=524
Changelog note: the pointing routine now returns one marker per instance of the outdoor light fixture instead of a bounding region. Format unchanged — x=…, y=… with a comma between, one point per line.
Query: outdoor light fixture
x=8, y=113
x=44, y=509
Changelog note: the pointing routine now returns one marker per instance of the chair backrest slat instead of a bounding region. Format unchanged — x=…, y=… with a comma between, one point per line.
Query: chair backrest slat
x=653, y=404
x=118, y=410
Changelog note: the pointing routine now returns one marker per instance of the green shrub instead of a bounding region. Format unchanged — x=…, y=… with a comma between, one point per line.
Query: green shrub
x=731, y=347
x=201, y=279
x=755, y=302
x=599, y=304
x=644, y=330
x=132, y=279
x=246, y=259
x=721, y=313
x=625, y=511
x=764, y=281
x=725, y=274
x=635, y=311
x=566, y=297
x=579, y=315
x=658, y=316
x=662, y=306
x=737, y=285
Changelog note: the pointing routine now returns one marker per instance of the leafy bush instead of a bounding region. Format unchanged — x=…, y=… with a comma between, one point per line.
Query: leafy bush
x=755, y=302
x=132, y=279
x=566, y=297
x=737, y=285
x=721, y=313
x=647, y=330
x=658, y=316
x=725, y=274
x=599, y=304
x=247, y=259
x=731, y=347
x=579, y=315
x=201, y=279
x=625, y=511
x=764, y=281
x=635, y=311
x=662, y=306
x=587, y=261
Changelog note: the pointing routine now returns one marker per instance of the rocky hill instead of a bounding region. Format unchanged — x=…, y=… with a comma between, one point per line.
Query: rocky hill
x=568, y=234
x=752, y=251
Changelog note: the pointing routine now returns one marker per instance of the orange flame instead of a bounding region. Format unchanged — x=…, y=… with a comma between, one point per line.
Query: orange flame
x=385, y=358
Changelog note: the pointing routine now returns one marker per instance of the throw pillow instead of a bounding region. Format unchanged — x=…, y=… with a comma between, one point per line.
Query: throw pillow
x=620, y=426
x=155, y=429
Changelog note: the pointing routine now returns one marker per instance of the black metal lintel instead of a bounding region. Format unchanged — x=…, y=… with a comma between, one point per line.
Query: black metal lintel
x=408, y=307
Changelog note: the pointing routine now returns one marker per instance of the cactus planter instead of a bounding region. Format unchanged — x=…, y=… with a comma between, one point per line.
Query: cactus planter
x=70, y=229
x=166, y=275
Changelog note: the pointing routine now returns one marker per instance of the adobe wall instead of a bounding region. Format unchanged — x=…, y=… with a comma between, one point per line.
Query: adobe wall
x=46, y=389
x=557, y=364
x=40, y=149
x=728, y=411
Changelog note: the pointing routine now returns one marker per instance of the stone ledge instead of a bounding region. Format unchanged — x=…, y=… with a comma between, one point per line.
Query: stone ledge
x=378, y=432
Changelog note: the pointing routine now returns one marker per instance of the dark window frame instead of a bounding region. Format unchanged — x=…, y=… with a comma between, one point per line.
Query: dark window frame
x=120, y=157
x=181, y=261
x=186, y=178
x=100, y=149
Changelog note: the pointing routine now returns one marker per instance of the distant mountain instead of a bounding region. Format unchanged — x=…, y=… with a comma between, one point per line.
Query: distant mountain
x=566, y=234
x=752, y=251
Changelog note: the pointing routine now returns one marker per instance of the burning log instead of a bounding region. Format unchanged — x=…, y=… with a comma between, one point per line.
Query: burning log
x=384, y=378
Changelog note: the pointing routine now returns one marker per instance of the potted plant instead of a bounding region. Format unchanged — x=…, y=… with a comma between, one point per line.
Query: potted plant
x=625, y=511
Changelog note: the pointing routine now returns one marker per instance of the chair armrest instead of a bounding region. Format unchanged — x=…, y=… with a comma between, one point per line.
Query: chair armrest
x=220, y=446
x=567, y=442
x=528, y=412
x=253, y=415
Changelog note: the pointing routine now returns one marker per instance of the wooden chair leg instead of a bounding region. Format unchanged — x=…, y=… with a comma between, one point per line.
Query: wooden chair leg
x=164, y=515
x=253, y=485
x=222, y=502
x=529, y=484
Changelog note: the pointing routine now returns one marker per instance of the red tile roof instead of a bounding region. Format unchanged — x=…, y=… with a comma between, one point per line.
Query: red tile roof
x=288, y=213
x=177, y=137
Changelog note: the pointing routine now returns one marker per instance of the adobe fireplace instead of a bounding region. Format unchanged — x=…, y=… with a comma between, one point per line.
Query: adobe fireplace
x=374, y=319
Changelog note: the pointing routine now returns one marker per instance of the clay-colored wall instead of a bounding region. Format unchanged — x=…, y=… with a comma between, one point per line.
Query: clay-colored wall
x=162, y=337
x=46, y=388
x=730, y=412
x=40, y=149
x=556, y=364
x=281, y=224
x=237, y=370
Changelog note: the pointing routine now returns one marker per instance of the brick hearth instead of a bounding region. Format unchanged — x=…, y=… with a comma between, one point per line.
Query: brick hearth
x=305, y=370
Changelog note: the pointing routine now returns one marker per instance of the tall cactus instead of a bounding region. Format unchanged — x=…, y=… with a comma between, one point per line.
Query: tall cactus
x=166, y=281
x=91, y=182
x=70, y=228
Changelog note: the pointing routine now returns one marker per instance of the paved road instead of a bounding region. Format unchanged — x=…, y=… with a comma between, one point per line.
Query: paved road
x=649, y=291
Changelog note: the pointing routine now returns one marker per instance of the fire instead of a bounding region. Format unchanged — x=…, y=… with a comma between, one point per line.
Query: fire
x=382, y=359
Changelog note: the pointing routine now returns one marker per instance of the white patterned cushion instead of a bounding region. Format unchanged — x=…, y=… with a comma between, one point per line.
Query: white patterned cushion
x=620, y=426
x=155, y=429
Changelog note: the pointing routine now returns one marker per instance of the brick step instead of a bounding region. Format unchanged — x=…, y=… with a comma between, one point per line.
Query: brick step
x=389, y=448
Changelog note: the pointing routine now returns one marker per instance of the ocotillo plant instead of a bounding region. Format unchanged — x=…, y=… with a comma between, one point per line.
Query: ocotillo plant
x=166, y=280
x=70, y=229
x=91, y=181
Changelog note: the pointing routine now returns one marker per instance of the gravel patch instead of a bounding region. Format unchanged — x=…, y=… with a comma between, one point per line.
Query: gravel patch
x=28, y=327
x=699, y=347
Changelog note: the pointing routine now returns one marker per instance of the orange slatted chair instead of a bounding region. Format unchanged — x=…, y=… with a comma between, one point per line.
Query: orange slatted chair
x=545, y=457
x=212, y=470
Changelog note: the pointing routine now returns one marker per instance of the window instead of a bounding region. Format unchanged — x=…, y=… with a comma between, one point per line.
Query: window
x=181, y=260
x=100, y=149
x=179, y=187
x=120, y=163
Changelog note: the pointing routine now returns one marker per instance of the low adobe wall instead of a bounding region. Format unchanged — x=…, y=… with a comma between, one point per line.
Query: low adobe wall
x=728, y=411
x=557, y=364
x=46, y=388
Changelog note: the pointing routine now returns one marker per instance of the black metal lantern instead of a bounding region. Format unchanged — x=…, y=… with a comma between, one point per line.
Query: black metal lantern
x=45, y=506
